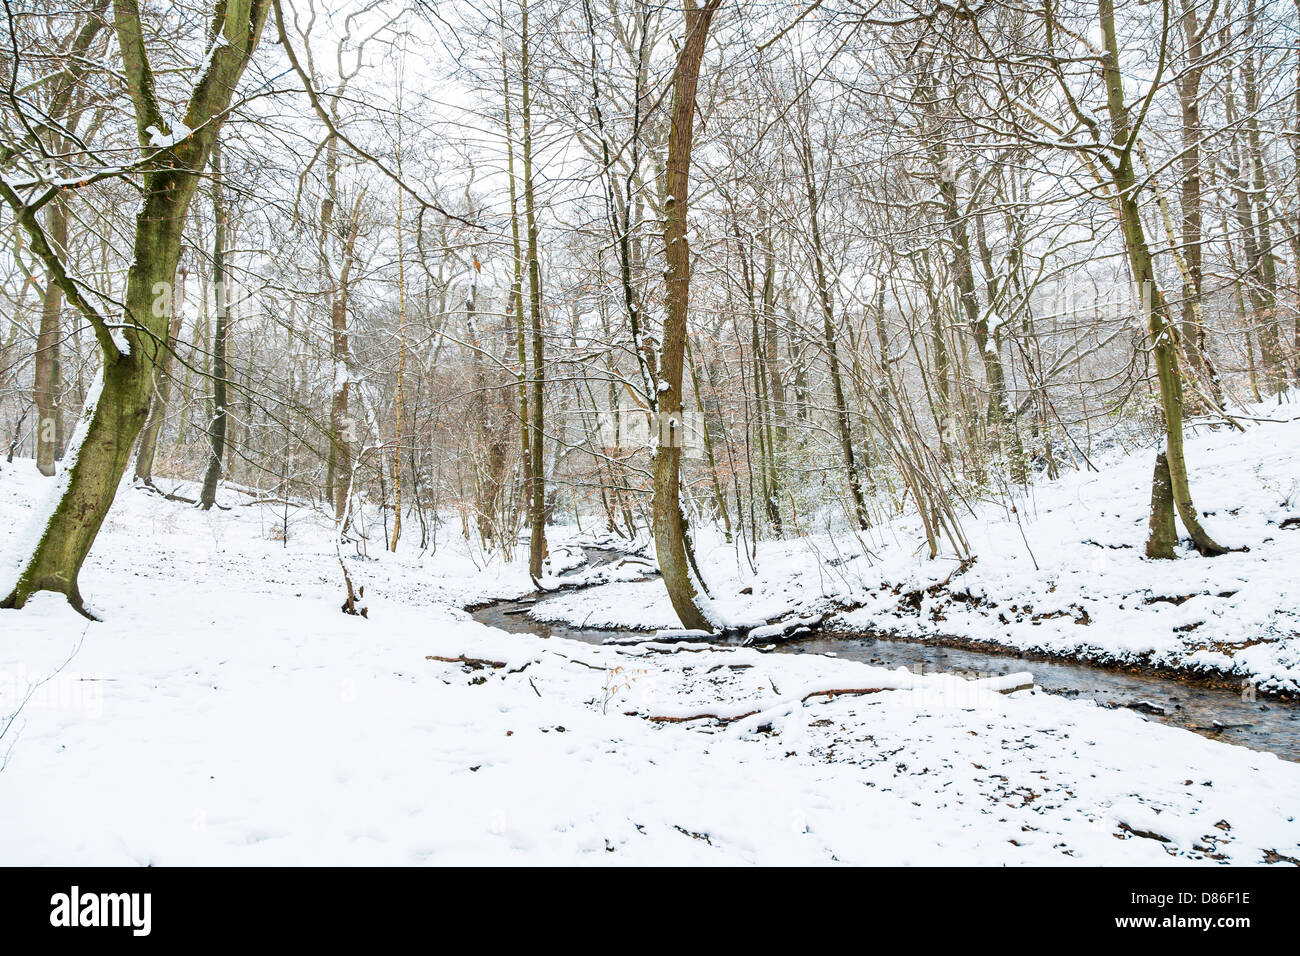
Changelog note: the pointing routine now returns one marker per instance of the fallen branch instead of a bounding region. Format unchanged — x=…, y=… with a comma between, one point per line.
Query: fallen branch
x=829, y=694
x=462, y=659
x=150, y=487
x=574, y=660
x=477, y=663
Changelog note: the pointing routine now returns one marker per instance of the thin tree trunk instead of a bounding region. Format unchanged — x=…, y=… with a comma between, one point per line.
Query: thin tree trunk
x=517, y=293
x=220, y=335
x=343, y=436
x=537, y=508
x=401, y=352
x=1270, y=331
x=1189, y=94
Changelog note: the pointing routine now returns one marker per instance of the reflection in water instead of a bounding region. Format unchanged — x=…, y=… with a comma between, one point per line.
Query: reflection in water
x=1221, y=714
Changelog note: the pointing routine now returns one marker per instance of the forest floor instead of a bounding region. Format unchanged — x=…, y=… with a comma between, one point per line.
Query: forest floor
x=224, y=711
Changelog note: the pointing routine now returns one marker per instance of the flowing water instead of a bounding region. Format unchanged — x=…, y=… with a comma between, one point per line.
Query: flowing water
x=1260, y=724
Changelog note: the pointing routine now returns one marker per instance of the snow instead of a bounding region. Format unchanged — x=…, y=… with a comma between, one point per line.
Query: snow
x=225, y=712
x=119, y=339
x=160, y=140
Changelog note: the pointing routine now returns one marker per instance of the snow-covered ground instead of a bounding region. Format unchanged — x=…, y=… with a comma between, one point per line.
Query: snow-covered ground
x=225, y=711
x=1065, y=573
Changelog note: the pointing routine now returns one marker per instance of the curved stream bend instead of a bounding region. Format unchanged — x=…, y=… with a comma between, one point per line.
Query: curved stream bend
x=1262, y=724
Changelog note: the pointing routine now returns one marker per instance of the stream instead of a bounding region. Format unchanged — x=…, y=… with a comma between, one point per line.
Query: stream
x=1262, y=724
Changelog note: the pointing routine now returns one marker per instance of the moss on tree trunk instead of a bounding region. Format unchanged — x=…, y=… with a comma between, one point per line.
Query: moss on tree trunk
x=1163, y=535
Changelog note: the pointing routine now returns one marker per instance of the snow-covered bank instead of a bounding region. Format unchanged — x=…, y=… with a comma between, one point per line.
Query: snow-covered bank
x=225, y=712
x=1063, y=574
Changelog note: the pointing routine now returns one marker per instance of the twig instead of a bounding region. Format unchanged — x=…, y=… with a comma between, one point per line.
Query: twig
x=31, y=691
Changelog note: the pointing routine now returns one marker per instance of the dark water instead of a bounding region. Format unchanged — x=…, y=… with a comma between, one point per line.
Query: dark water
x=1219, y=714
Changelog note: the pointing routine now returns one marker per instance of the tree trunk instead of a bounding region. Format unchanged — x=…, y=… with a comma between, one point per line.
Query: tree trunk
x=398, y=410
x=517, y=298
x=1189, y=93
x=46, y=387
x=1271, y=329
x=343, y=436
x=671, y=530
x=537, y=510
x=220, y=334
x=1163, y=535
x=1162, y=330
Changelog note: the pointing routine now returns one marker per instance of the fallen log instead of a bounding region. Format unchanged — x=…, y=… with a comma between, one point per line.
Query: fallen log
x=783, y=629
